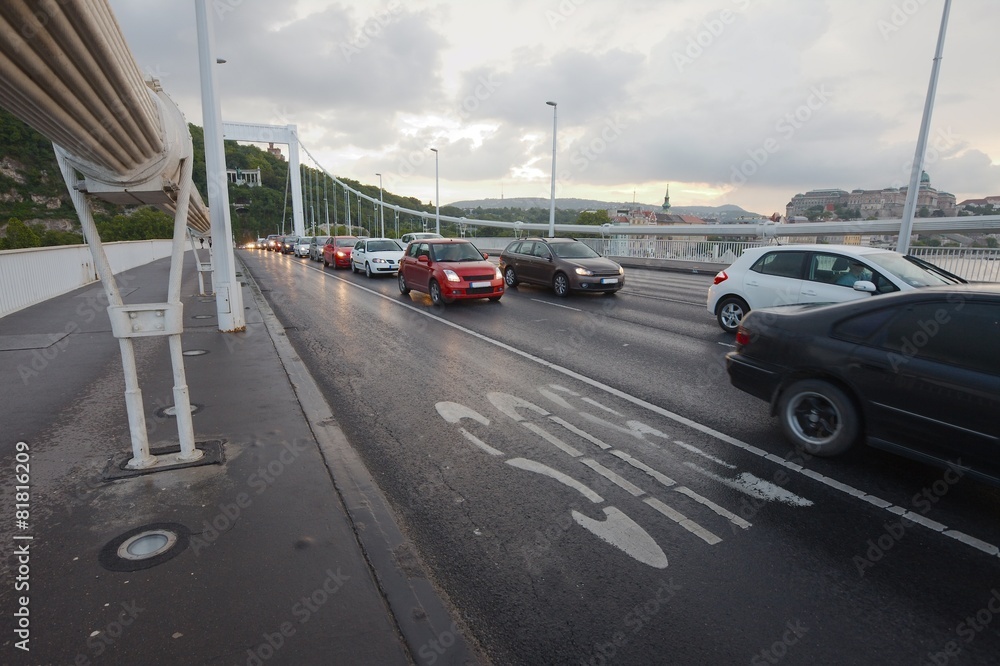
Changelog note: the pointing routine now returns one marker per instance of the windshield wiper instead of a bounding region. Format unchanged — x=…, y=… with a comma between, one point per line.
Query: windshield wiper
x=937, y=270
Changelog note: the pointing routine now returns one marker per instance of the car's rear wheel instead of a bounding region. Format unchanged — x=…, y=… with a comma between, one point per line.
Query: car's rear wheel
x=818, y=417
x=730, y=313
x=560, y=284
x=510, y=277
x=326, y=264
x=403, y=289
x=437, y=298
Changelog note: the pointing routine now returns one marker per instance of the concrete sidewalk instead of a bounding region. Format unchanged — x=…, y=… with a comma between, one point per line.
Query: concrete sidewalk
x=286, y=551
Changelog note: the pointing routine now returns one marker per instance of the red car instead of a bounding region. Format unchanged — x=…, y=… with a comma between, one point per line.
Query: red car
x=337, y=251
x=449, y=269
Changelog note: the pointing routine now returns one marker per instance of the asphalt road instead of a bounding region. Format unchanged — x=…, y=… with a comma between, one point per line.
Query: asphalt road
x=587, y=488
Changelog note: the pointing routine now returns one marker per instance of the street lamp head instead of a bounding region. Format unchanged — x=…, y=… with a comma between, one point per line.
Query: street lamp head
x=220, y=61
x=434, y=150
x=551, y=103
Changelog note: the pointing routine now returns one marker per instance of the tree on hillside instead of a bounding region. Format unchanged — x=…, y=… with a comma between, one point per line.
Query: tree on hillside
x=20, y=235
x=595, y=217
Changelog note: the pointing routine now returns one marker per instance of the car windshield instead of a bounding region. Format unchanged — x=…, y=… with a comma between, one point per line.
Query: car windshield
x=383, y=246
x=572, y=250
x=910, y=273
x=346, y=242
x=305, y=240
x=455, y=252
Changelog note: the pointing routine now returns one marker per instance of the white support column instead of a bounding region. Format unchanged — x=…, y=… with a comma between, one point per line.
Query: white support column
x=298, y=220
x=141, y=457
x=228, y=292
x=197, y=263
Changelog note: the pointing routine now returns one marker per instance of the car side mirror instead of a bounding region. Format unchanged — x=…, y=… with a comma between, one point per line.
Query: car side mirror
x=485, y=256
x=866, y=286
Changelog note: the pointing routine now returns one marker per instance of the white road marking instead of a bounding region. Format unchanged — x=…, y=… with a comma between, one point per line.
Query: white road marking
x=991, y=549
x=682, y=520
x=508, y=405
x=453, y=412
x=576, y=431
x=728, y=515
x=726, y=344
x=551, y=439
x=638, y=464
x=573, y=393
x=480, y=443
x=614, y=477
x=623, y=533
x=556, y=305
x=565, y=479
x=755, y=487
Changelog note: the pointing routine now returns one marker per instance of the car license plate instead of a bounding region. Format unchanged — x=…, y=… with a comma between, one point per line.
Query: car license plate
x=609, y=280
x=479, y=285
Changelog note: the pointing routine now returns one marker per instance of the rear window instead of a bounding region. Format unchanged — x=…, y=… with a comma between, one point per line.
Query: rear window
x=346, y=242
x=781, y=264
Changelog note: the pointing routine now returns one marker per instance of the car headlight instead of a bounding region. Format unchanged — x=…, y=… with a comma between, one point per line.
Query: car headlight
x=378, y=260
x=497, y=275
x=451, y=275
x=621, y=271
x=584, y=271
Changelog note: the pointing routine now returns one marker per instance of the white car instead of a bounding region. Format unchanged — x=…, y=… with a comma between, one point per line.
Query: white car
x=775, y=275
x=405, y=239
x=301, y=246
x=376, y=256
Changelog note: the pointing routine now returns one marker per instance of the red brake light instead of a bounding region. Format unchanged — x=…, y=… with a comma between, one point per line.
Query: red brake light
x=720, y=277
x=742, y=337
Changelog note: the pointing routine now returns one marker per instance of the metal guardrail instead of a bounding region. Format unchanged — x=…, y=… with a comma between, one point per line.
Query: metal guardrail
x=973, y=264
x=37, y=274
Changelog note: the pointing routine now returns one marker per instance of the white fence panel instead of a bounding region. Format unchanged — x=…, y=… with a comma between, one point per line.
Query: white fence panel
x=37, y=274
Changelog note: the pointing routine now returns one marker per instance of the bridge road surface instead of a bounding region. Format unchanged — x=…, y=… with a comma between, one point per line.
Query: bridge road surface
x=587, y=488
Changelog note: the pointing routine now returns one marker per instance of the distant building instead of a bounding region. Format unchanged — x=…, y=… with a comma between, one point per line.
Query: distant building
x=980, y=203
x=277, y=153
x=248, y=177
x=887, y=203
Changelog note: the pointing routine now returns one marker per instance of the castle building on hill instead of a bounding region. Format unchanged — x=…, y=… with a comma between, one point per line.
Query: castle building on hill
x=881, y=204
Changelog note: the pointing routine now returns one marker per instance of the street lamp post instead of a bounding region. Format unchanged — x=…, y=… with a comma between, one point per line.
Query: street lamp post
x=381, y=205
x=552, y=196
x=437, y=194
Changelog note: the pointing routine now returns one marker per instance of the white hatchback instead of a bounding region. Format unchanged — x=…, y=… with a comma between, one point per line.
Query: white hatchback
x=376, y=256
x=776, y=275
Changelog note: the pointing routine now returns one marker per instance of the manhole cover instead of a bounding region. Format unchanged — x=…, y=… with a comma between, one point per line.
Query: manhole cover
x=144, y=547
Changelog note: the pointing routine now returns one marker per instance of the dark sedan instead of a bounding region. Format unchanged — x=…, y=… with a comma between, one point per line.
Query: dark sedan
x=916, y=373
x=562, y=264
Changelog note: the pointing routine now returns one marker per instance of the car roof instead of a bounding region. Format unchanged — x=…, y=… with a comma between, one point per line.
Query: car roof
x=859, y=250
x=443, y=241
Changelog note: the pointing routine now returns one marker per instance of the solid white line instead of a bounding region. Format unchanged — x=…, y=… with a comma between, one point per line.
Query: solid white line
x=480, y=443
x=656, y=409
x=586, y=435
x=556, y=305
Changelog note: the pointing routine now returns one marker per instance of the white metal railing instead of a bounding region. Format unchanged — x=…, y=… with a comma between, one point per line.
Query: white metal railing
x=37, y=274
x=973, y=264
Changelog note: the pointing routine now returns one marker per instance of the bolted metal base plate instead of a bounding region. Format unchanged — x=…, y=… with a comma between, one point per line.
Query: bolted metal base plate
x=213, y=449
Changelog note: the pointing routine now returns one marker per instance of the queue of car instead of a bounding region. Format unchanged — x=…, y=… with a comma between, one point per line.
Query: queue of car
x=845, y=344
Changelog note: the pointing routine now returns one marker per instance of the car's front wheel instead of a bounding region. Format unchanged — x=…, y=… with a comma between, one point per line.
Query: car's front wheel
x=403, y=289
x=368, y=269
x=437, y=298
x=818, y=417
x=510, y=277
x=730, y=313
x=560, y=284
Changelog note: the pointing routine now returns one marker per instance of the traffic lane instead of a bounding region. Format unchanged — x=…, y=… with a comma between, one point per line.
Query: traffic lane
x=684, y=375
x=433, y=465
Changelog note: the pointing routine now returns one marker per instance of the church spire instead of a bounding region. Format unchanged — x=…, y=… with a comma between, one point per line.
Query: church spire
x=666, y=199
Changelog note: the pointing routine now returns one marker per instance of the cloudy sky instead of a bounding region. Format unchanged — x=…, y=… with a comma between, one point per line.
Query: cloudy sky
x=745, y=102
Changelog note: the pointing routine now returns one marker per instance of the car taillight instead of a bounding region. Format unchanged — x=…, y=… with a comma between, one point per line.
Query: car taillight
x=720, y=277
x=742, y=337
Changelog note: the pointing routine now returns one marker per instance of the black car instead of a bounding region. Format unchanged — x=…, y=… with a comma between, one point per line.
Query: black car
x=916, y=373
x=288, y=244
x=562, y=264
